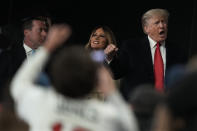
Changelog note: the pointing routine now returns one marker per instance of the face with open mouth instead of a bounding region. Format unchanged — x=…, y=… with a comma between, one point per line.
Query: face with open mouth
x=157, y=28
x=98, y=40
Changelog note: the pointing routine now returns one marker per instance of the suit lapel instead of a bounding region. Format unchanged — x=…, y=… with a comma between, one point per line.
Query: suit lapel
x=18, y=56
x=147, y=53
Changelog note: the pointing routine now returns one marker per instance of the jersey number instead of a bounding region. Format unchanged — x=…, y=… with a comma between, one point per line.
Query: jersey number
x=58, y=127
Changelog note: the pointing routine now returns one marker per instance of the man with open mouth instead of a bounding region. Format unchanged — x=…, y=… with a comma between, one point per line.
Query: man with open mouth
x=137, y=59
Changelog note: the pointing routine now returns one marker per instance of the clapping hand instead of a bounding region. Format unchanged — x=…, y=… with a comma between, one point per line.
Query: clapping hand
x=110, y=51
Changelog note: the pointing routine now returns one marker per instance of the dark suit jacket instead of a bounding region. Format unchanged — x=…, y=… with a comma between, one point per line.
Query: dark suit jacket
x=134, y=63
x=5, y=72
x=10, y=61
x=18, y=56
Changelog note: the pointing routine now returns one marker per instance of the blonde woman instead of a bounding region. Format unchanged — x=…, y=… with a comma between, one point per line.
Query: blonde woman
x=100, y=38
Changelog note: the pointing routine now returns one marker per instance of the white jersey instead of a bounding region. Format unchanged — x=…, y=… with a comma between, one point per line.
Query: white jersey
x=46, y=110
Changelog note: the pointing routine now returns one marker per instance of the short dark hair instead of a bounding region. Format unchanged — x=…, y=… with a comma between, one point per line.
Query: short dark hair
x=73, y=73
x=28, y=22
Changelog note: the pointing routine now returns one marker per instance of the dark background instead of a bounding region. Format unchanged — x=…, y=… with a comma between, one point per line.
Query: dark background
x=123, y=17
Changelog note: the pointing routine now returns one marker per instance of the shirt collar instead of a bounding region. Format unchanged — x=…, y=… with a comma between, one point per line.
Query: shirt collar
x=27, y=48
x=153, y=43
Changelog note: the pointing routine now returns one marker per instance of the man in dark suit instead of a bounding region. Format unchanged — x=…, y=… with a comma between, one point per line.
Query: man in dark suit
x=17, y=41
x=135, y=60
x=35, y=31
x=20, y=48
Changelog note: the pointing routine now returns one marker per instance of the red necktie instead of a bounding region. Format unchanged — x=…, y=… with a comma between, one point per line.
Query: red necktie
x=158, y=69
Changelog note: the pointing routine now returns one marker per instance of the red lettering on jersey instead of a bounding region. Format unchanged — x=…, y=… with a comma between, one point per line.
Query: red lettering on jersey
x=80, y=129
x=57, y=127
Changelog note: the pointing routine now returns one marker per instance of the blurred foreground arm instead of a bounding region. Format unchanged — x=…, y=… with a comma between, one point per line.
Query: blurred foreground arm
x=57, y=35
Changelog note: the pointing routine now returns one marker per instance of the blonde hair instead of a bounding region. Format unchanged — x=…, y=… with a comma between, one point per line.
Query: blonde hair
x=108, y=33
x=154, y=12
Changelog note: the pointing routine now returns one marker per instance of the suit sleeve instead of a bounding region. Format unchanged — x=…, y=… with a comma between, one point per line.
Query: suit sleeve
x=119, y=65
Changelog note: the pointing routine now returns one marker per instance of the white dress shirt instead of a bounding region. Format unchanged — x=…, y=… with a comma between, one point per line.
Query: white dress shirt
x=28, y=50
x=162, y=50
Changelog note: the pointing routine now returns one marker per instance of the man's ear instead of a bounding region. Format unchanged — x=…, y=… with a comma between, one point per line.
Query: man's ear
x=26, y=32
x=146, y=29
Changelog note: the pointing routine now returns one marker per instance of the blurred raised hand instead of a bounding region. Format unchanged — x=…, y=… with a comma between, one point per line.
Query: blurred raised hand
x=57, y=35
